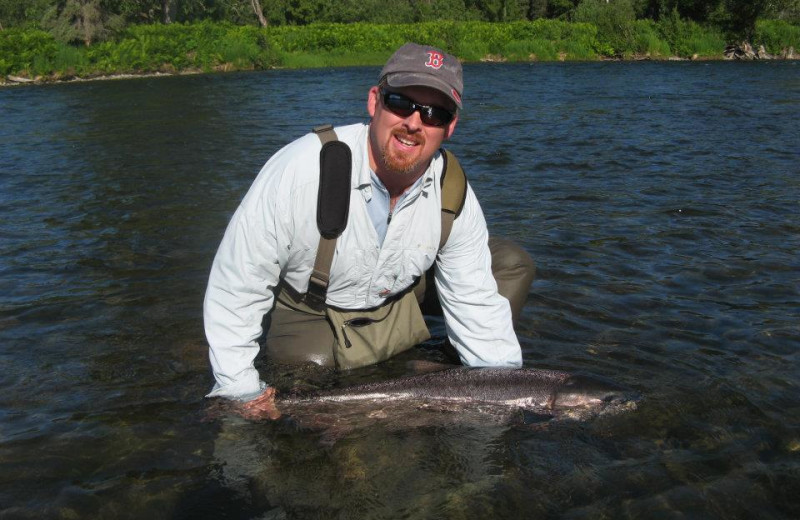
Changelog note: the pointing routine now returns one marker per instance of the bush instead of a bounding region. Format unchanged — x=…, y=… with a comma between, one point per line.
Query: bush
x=210, y=46
x=70, y=60
x=647, y=41
x=19, y=48
x=204, y=46
x=614, y=22
x=687, y=38
x=776, y=35
x=470, y=41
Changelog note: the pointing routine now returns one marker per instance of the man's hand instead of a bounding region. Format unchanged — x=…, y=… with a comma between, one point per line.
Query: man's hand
x=262, y=407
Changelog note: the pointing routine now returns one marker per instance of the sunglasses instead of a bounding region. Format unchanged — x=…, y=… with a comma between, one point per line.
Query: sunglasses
x=402, y=106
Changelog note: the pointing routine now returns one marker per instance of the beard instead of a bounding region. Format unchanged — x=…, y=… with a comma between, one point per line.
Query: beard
x=400, y=163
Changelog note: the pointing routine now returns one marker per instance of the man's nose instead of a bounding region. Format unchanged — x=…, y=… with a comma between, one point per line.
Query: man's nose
x=414, y=121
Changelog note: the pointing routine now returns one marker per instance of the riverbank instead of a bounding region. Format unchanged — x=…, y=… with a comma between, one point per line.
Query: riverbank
x=12, y=81
x=35, y=56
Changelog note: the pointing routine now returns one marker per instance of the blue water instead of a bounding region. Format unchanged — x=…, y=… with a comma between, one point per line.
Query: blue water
x=660, y=202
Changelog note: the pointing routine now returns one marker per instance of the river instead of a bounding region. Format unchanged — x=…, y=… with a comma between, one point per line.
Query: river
x=660, y=202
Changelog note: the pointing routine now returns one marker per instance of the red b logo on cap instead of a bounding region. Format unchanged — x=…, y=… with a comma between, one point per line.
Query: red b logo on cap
x=435, y=60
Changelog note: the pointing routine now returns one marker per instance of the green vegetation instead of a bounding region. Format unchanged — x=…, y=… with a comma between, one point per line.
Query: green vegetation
x=777, y=35
x=55, y=39
x=471, y=41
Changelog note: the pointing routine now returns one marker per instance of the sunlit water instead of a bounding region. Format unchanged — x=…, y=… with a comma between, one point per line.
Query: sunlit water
x=660, y=202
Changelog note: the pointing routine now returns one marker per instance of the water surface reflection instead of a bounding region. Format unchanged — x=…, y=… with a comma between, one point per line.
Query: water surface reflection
x=658, y=199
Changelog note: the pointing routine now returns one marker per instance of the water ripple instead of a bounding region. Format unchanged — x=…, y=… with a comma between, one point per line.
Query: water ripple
x=659, y=201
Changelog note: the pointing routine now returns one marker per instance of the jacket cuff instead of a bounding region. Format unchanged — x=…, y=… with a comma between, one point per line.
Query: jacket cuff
x=240, y=391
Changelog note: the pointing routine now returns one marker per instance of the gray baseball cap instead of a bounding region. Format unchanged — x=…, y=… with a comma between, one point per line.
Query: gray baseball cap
x=414, y=65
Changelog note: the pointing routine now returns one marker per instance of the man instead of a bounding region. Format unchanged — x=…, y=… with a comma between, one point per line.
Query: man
x=390, y=241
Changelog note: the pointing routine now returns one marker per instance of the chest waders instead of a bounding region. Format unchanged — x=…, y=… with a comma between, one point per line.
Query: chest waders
x=368, y=336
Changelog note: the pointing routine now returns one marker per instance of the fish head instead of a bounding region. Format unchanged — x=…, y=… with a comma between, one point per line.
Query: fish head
x=584, y=390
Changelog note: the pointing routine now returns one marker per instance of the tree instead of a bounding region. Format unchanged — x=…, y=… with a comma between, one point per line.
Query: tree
x=165, y=9
x=83, y=21
x=15, y=13
x=788, y=10
x=536, y=9
x=498, y=10
x=259, y=12
x=134, y=11
x=614, y=21
x=560, y=8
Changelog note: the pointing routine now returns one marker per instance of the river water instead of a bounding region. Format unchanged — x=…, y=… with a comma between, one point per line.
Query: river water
x=660, y=202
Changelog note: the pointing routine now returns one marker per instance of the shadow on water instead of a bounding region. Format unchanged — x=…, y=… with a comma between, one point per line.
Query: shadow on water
x=658, y=200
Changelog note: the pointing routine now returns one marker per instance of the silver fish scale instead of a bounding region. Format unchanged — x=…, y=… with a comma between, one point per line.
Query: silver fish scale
x=511, y=387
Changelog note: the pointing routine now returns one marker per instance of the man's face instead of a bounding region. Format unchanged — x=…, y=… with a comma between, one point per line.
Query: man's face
x=404, y=145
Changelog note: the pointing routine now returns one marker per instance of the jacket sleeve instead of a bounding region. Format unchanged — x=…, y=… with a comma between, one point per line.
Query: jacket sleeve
x=245, y=271
x=477, y=317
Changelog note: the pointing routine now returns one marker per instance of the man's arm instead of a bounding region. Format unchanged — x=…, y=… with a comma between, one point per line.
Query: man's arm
x=245, y=271
x=477, y=317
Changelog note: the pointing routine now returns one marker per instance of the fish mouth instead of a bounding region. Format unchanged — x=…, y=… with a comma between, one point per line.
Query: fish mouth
x=561, y=401
x=581, y=390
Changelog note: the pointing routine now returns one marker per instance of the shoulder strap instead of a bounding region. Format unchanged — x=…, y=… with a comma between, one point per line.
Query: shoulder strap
x=333, y=202
x=454, y=193
x=333, y=205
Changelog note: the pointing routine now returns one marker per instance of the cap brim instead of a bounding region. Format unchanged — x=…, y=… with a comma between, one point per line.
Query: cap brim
x=415, y=79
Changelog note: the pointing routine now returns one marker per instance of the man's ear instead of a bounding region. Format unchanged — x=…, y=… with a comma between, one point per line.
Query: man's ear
x=372, y=101
x=451, y=127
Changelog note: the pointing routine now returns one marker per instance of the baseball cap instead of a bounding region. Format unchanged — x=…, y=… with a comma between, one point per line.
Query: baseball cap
x=414, y=65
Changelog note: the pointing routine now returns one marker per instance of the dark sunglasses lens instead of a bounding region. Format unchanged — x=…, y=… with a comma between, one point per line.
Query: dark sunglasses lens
x=398, y=104
x=436, y=116
x=404, y=107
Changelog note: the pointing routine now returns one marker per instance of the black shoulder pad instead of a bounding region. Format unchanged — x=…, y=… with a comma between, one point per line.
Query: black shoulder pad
x=333, y=197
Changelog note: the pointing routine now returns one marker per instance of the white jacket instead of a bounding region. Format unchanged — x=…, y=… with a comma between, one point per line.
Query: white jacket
x=273, y=235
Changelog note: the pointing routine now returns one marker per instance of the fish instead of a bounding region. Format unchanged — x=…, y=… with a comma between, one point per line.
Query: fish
x=527, y=395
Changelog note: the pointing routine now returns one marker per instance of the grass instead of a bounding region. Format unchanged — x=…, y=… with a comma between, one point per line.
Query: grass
x=333, y=58
x=777, y=35
x=211, y=46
